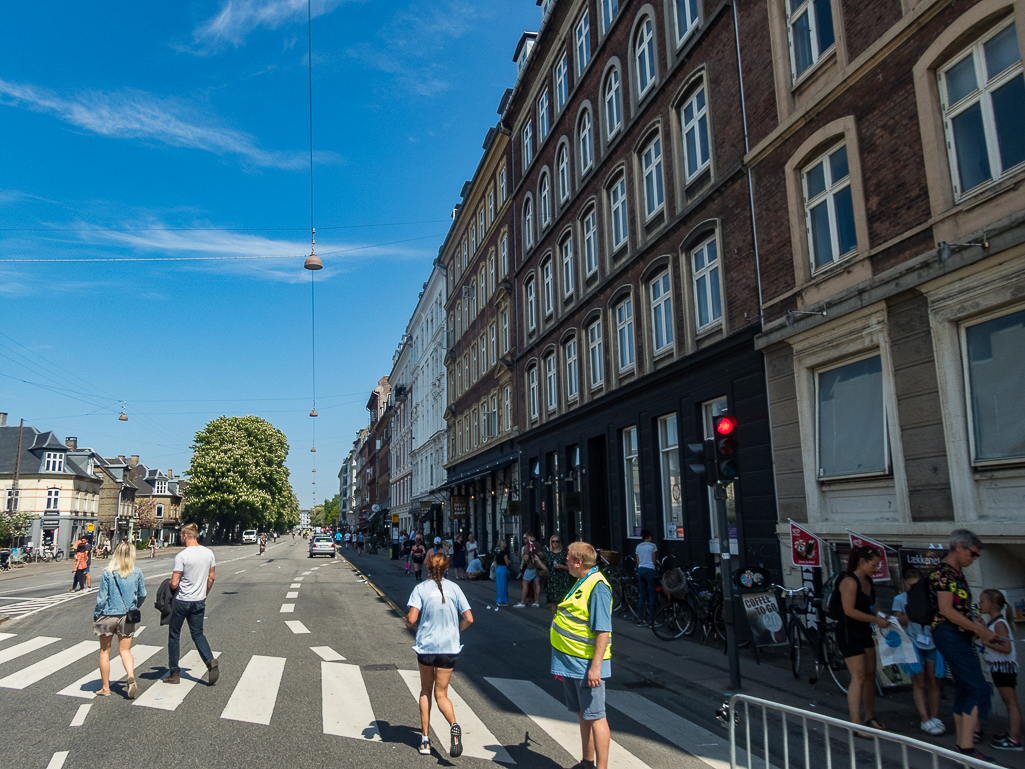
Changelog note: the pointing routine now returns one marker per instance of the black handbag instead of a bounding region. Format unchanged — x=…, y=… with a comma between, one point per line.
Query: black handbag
x=132, y=615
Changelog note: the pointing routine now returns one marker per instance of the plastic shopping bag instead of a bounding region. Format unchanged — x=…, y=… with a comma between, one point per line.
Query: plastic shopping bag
x=895, y=648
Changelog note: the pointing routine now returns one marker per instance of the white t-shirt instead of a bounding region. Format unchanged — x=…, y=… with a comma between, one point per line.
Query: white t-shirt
x=194, y=563
x=348, y=537
x=438, y=631
x=645, y=555
x=475, y=567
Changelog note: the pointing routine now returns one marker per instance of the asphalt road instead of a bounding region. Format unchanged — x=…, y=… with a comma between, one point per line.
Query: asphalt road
x=333, y=690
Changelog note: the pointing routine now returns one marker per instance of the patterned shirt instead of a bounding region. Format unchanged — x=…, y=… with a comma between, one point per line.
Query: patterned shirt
x=947, y=579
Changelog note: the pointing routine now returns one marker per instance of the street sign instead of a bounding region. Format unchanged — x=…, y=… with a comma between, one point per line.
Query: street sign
x=90, y=527
x=395, y=519
x=51, y=524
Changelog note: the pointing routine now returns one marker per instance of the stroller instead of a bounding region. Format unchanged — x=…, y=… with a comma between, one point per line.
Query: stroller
x=5, y=560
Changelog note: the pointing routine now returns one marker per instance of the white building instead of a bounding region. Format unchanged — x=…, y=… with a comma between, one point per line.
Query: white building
x=346, y=490
x=401, y=435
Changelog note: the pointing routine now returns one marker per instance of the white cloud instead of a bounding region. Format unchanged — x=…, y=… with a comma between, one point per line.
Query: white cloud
x=238, y=18
x=134, y=114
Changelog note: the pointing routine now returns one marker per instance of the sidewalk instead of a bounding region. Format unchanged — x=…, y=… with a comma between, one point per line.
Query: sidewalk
x=44, y=568
x=687, y=666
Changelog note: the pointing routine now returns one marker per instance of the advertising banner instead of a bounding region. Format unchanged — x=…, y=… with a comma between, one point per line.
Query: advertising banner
x=460, y=507
x=882, y=574
x=764, y=619
x=804, y=547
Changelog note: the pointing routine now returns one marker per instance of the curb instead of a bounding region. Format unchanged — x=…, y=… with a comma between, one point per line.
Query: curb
x=395, y=607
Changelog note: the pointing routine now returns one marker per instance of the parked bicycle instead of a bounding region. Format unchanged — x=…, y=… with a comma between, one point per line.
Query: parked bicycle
x=630, y=590
x=687, y=607
x=819, y=642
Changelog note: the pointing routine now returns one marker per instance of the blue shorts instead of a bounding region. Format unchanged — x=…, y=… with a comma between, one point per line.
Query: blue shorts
x=582, y=699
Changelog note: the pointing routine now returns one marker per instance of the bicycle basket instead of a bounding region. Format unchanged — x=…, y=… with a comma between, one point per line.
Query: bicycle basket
x=674, y=582
x=800, y=602
x=610, y=557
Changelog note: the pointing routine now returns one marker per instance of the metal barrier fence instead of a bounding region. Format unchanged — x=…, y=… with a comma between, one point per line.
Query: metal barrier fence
x=805, y=740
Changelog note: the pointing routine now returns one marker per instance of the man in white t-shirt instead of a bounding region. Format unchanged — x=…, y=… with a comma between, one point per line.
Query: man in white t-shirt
x=191, y=580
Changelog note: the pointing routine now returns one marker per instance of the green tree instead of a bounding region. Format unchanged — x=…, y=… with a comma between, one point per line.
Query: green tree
x=13, y=524
x=238, y=479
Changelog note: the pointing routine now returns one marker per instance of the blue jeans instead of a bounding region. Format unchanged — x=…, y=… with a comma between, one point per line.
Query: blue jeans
x=970, y=688
x=502, y=584
x=646, y=582
x=191, y=612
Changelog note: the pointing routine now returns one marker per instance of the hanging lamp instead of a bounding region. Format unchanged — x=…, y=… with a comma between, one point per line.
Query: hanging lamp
x=124, y=416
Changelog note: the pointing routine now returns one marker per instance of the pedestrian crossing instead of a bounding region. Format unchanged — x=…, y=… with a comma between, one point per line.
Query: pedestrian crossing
x=351, y=698
x=29, y=606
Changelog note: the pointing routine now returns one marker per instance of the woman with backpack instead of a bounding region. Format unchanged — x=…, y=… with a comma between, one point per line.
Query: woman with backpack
x=854, y=633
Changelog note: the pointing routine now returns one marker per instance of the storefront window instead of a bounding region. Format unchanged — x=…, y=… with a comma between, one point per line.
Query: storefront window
x=994, y=351
x=632, y=482
x=672, y=486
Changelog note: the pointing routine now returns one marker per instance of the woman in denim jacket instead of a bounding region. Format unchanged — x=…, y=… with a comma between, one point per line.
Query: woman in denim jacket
x=122, y=587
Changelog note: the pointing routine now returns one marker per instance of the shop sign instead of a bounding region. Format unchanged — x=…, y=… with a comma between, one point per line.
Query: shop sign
x=926, y=560
x=50, y=524
x=804, y=547
x=395, y=519
x=764, y=619
x=460, y=507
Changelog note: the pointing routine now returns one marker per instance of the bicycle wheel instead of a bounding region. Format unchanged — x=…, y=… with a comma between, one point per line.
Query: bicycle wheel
x=794, y=640
x=58, y=555
x=665, y=625
x=630, y=596
x=835, y=661
x=686, y=618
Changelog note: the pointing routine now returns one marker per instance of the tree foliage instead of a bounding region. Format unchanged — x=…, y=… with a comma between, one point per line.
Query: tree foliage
x=13, y=524
x=327, y=513
x=238, y=478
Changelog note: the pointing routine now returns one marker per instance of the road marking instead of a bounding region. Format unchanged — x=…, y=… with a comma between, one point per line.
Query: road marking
x=239, y=572
x=169, y=696
x=53, y=663
x=257, y=689
x=299, y=579
x=287, y=608
x=345, y=703
x=295, y=585
x=478, y=741
x=552, y=716
x=138, y=631
x=58, y=759
x=305, y=573
x=5, y=636
x=327, y=654
x=87, y=686
x=314, y=568
x=292, y=594
x=13, y=652
x=79, y=719
x=297, y=627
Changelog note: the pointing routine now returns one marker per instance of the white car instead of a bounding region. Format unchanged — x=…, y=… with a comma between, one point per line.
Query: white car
x=249, y=537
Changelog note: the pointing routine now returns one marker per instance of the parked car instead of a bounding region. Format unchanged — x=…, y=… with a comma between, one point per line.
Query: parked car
x=249, y=537
x=321, y=544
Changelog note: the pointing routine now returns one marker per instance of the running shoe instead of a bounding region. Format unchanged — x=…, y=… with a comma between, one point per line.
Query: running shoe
x=974, y=753
x=1006, y=743
x=456, y=745
x=425, y=747
x=932, y=727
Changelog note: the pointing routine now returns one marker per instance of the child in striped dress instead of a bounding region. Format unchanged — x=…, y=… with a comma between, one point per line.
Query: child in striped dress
x=1002, y=658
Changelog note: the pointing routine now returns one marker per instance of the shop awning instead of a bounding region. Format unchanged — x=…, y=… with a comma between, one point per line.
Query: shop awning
x=477, y=472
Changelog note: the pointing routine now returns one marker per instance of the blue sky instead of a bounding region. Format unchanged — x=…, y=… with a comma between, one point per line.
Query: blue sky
x=155, y=130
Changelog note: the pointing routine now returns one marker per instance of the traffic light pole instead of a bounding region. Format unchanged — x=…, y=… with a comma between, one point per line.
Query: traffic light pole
x=726, y=566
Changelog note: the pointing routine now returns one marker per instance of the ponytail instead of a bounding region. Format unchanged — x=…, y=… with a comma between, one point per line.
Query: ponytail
x=437, y=566
x=995, y=596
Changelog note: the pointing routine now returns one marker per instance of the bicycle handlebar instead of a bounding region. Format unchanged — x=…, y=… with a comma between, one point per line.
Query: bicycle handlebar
x=790, y=591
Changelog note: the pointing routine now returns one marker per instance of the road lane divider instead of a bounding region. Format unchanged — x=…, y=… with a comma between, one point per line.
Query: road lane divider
x=327, y=654
x=80, y=714
x=297, y=627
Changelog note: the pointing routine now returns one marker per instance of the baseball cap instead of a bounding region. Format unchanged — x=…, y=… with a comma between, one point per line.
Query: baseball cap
x=437, y=540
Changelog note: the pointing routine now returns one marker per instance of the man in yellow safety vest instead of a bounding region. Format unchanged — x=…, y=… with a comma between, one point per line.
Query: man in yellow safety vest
x=581, y=637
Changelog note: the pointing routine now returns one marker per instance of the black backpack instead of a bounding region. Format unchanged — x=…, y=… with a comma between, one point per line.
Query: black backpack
x=833, y=602
x=920, y=609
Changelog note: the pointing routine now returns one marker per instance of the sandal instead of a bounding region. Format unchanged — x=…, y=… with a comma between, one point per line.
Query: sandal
x=874, y=723
x=101, y=693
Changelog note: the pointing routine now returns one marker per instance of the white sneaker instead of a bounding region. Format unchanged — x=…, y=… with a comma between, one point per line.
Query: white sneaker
x=520, y=606
x=933, y=726
x=535, y=605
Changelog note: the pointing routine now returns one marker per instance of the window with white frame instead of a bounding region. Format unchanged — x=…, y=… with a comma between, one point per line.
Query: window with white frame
x=548, y=286
x=561, y=83
x=651, y=169
x=528, y=144
x=644, y=56
x=590, y=232
x=491, y=274
x=829, y=208
x=466, y=370
x=661, y=313
x=53, y=499
x=481, y=289
x=528, y=223
x=694, y=126
x=632, y=482
x=672, y=480
x=491, y=207
x=466, y=255
x=473, y=299
x=810, y=29
x=545, y=195
x=686, y=18
x=532, y=391
x=617, y=205
x=625, y=333
x=983, y=95
x=493, y=342
x=480, y=226
x=568, y=268
x=476, y=428
x=551, y=383
x=459, y=380
x=586, y=141
x=485, y=424
x=160, y=487
x=995, y=379
x=531, y=301
x=582, y=34
x=507, y=407
x=542, y=117
x=501, y=186
x=473, y=239
x=613, y=104
x=705, y=276
x=562, y=168
x=459, y=435
x=609, y=9
x=475, y=364
x=851, y=419
x=483, y=353
x=494, y=415
x=505, y=331
x=159, y=511
x=505, y=255
x=53, y=462
x=13, y=500
x=595, y=355
x=572, y=377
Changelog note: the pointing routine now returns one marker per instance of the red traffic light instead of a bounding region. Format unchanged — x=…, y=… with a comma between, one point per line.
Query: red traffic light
x=725, y=425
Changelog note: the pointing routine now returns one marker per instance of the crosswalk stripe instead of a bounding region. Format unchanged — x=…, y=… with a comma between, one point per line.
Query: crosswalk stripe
x=287, y=608
x=87, y=686
x=561, y=725
x=305, y=573
x=478, y=742
x=168, y=696
x=314, y=568
x=297, y=627
x=80, y=714
x=5, y=636
x=256, y=691
x=138, y=631
x=58, y=759
x=53, y=663
x=295, y=586
x=13, y=652
x=292, y=594
x=327, y=654
x=298, y=579
x=345, y=703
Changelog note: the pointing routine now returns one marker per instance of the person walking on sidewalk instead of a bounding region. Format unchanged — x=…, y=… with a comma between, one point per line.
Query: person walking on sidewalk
x=581, y=638
x=502, y=561
x=122, y=588
x=647, y=596
x=191, y=580
x=417, y=554
x=442, y=612
x=925, y=688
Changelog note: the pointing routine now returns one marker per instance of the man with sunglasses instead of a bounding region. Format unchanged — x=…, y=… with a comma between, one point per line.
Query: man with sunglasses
x=952, y=629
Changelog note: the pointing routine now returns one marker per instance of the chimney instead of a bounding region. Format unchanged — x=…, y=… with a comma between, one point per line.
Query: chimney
x=71, y=442
x=3, y=418
x=133, y=460
x=170, y=475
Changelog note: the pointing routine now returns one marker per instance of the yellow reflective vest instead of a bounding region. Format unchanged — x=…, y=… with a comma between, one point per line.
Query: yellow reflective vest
x=571, y=631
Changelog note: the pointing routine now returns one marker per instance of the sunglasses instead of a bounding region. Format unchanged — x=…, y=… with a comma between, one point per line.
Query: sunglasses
x=975, y=553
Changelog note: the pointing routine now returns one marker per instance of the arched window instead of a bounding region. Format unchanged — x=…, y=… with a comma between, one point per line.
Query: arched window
x=644, y=55
x=545, y=192
x=528, y=223
x=613, y=104
x=562, y=166
x=586, y=141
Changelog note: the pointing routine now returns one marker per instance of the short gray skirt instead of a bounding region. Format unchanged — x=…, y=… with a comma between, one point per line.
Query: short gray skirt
x=113, y=625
